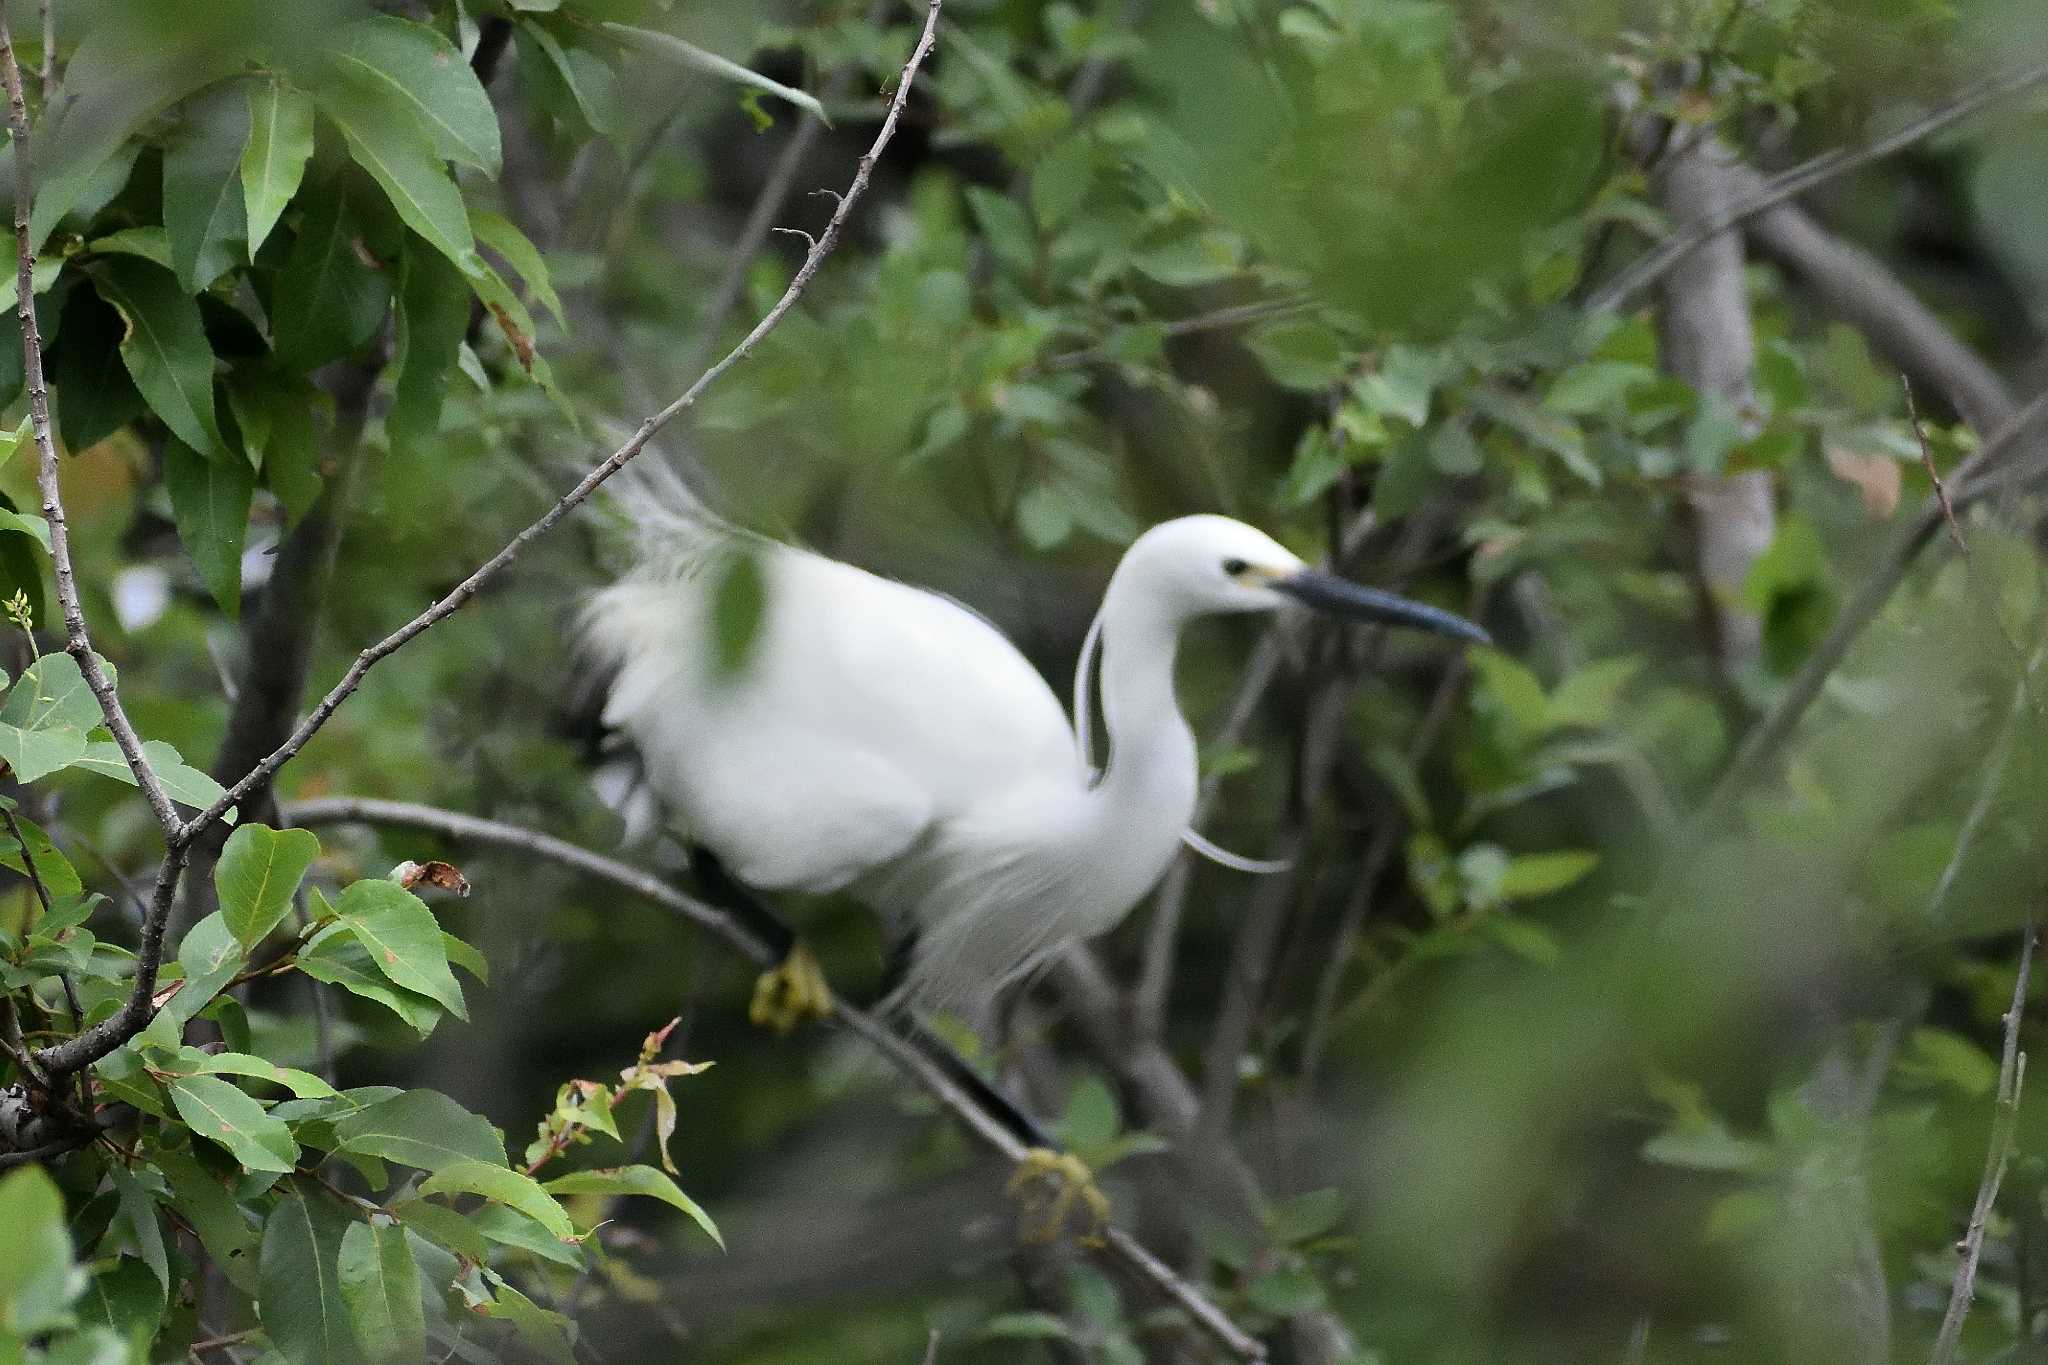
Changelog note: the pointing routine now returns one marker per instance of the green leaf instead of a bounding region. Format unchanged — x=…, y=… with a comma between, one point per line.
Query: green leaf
x=411, y=67
x=503, y=1185
x=300, y=1302
x=258, y=873
x=52, y=694
x=336, y=957
x=384, y=141
x=210, y=503
x=643, y=1180
x=690, y=55
x=500, y=235
x=432, y=319
x=35, y=528
x=1092, y=1117
x=152, y=244
x=421, y=1128
x=1285, y=1293
x=1305, y=1216
x=1033, y=1326
x=1587, y=697
x=403, y=939
x=275, y=413
x=1595, y=386
x=509, y=1227
x=1530, y=875
x=739, y=602
x=1708, y=1148
x=138, y=1211
x=1004, y=226
x=217, y=1110
x=210, y=1207
x=203, y=207
x=466, y=956
x=329, y=301
x=123, y=1297
x=165, y=348
x=181, y=781
x=274, y=161
x=541, y=1330
x=444, y=1226
x=580, y=79
x=304, y=1084
x=37, y=1279
x=1935, y=1056
x=95, y=396
x=210, y=957
x=1300, y=353
x=380, y=1283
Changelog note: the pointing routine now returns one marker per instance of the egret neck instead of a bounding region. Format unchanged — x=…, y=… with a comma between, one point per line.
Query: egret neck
x=1146, y=795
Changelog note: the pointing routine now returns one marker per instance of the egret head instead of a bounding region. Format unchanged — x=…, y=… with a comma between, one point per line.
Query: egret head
x=1206, y=565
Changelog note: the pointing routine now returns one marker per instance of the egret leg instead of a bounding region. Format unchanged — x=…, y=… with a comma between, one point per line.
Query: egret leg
x=1049, y=1185
x=788, y=993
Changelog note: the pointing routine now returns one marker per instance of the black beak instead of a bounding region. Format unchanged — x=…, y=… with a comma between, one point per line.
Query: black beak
x=1341, y=597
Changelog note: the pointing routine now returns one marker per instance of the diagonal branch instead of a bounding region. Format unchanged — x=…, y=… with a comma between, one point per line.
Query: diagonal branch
x=588, y=484
x=77, y=643
x=914, y=1064
x=2012, y=1073
x=1803, y=177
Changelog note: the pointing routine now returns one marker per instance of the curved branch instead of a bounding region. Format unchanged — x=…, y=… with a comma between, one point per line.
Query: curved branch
x=907, y=1059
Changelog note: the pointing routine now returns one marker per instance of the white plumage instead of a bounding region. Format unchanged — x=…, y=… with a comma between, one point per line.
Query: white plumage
x=884, y=740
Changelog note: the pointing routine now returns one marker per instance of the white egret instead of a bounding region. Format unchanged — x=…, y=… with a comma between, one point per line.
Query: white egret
x=884, y=740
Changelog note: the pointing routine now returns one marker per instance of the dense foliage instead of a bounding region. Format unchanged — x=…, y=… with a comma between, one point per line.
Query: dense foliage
x=1636, y=989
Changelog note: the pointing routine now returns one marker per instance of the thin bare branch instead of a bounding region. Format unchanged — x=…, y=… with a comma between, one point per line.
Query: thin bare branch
x=588, y=484
x=1803, y=177
x=2012, y=1075
x=83, y=1049
x=77, y=643
x=907, y=1059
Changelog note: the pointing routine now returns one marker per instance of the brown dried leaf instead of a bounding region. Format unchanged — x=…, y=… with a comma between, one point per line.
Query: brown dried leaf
x=1875, y=477
x=446, y=876
x=522, y=344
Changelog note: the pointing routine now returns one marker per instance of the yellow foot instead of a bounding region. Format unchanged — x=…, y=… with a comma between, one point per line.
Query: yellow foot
x=791, y=993
x=1049, y=1188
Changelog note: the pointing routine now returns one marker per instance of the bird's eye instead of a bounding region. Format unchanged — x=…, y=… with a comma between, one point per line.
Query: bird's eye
x=1233, y=567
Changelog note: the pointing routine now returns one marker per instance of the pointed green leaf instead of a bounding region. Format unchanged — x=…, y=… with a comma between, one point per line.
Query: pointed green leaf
x=380, y=1283
x=422, y=1128
x=304, y=1084
x=329, y=300
x=203, y=206
x=217, y=1110
x=334, y=956
x=258, y=873
x=165, y=348
x=443, y=1226
x=123, y=1297
x=184, y=783
x=37, y=1279
x=696, y=58
x=384, y=141
x=411, y=67
x=500, y=235
x=274, y=160
x=300, y=1301
x=502, y=1185
x=210, y=1207
x=138, y=1211
x=209, y=957
x=574, y=77
x=403, y=939
x=433, y=316
x=642, y=1180
x=44, y=721
x=210, y=502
